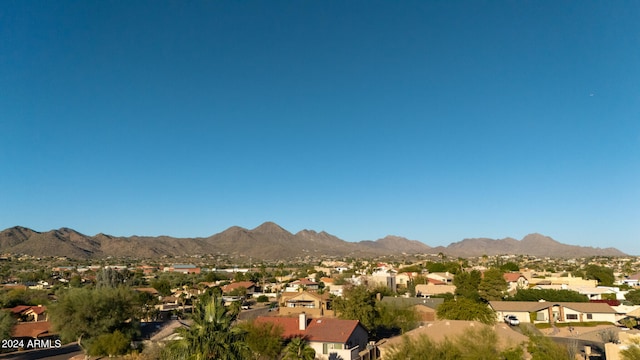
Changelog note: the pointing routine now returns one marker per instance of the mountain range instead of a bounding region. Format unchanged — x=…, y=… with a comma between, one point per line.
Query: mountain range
x=270, y=241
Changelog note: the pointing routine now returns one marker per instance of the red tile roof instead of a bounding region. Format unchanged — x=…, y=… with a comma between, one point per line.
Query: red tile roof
x=31, y=329
x=233, y=286
x=511, y=277
x=289, y=325
x=21, y=309
x=318, y=330
x=331, y=330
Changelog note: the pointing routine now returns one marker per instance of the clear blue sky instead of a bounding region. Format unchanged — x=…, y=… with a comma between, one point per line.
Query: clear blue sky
x=432, y=120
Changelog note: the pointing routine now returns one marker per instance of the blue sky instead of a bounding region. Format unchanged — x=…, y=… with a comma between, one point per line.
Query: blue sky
x=432, y=120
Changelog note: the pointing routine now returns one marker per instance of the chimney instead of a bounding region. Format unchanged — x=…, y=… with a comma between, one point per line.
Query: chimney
x=302, y=322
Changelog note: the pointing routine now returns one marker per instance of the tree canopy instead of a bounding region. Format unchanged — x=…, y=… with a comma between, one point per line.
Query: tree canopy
x=493, y=286
x=467, y=284
x=466, y=309
x=633, y=296
x=83, y=314
x=357, y=303
x=548, y=295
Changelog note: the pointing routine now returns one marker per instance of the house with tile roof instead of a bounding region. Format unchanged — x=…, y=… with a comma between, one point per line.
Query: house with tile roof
x=32, y=330
x=302, y=284
x=311, y=303
x=551, y=312
x=330, y=338
x=440, y=278
x=515, y=281
x=249, y=286
x=28, y=313
x=427, y=290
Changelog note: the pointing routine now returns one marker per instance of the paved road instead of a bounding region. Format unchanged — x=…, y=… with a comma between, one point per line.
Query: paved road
x=62, y=353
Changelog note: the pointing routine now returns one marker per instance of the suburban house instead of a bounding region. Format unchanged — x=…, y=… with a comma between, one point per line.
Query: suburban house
x=631, y=280
x=382, y=278
x=249, y=286
x=550, y=312
x=304, y=284
x=515, y=281
x=404, y=279
x=313, y=304
x=32, y=323
x=329, y=285
x=560, y=280
x=440, y=278
x=330, y=338
x=427, y=290
x=27, y=313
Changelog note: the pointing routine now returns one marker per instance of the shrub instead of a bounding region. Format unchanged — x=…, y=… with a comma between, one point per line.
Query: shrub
x=110, y=344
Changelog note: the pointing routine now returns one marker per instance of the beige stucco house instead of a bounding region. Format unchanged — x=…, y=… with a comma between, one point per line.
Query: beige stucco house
x=550, y=312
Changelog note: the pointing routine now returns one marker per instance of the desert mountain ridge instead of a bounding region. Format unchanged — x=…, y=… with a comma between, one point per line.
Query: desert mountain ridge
x=271, y=241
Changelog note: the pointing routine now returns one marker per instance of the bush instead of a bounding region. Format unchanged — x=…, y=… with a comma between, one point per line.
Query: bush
x=609, y=336
x=110, y=344
x=472, y=344
x=262, y=299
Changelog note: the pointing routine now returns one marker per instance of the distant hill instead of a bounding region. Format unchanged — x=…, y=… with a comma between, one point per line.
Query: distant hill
x=532, y=244
x=268, y=241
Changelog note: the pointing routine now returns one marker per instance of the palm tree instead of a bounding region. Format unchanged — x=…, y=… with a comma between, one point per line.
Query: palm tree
x=299, y=349
x=212, y=334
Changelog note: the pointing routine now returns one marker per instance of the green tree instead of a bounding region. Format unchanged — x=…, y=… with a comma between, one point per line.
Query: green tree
x=299, y=349
x=467, y=284
x=163, y=286
x=264, y=340
x=76, y=281
x=472, y=344
x=6, y=324
x=357, y=303
x=466, y=309
x=603, y=274
x=110, y=344
x=212, y=335
x=239, y=291
x=15, y=297
x=492, y=286
x=509, y=266
x=543, y=348
x=83, y=314
x=548, y=295
x=633, y=296
x=395, y=318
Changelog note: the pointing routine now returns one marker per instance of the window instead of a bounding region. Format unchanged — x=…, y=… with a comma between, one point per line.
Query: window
x=572, y=316
x=589, y=316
